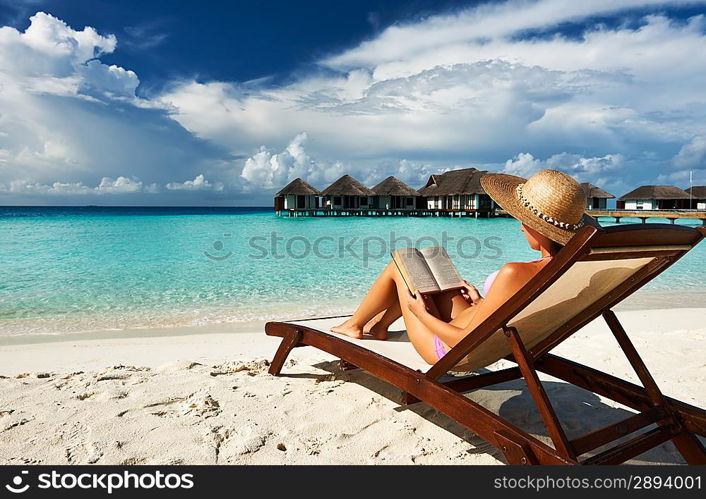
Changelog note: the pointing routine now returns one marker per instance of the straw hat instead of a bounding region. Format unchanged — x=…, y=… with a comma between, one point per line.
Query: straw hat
x=550, y=202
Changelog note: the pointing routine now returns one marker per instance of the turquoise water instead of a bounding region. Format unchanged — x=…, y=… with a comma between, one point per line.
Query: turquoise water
x=87, y=269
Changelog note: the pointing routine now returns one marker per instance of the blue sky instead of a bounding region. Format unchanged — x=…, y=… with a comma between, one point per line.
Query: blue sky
x=222, y=103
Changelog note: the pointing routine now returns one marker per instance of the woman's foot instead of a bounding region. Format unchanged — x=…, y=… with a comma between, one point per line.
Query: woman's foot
x=349, y=328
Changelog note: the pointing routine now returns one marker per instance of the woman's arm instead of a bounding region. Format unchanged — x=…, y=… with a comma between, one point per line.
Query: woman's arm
x=510, y=279
x=448, y=333
x=471, y=294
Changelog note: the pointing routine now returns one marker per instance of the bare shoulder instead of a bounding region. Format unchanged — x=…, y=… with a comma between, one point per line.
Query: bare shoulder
x=515, y=269
x=516, y=272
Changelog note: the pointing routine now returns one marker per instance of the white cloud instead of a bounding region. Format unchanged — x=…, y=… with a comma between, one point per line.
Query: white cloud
x=107, y=185
x=584, y=169
x=119, y=186
x=692, y=154
x=66, y=115
x=689, y=162
x=50, y=57
x=485, y=107
x=268, y=170
x=198, y=184
x=476, y=26
x=22, y=186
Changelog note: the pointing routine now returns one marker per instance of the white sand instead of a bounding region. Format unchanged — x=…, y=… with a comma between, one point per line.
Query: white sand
x=175, y=397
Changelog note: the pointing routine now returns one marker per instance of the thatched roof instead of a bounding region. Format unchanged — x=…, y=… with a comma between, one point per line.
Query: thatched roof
x=465, y=181
x=655, y=192
x=595, y=192
x=697, y=192
x=392, y=186
x=347, y=186
x=298, y=187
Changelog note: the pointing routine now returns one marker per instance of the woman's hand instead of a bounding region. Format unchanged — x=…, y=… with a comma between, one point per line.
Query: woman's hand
x=470, y=293
x=416, y=304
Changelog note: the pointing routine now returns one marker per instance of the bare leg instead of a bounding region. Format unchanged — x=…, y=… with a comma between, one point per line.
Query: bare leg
x=381, y=296
x=384, y=293
x=373, y=321
x=379, y=324
x=449, y=304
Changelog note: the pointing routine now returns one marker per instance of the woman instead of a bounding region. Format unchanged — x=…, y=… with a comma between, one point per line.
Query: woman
x=550, y=206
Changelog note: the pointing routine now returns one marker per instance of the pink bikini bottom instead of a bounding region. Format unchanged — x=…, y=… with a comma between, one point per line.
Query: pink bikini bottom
x=439, y=347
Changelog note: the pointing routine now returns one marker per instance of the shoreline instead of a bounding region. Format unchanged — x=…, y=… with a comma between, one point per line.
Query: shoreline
x=205, y=338
x=643, y=300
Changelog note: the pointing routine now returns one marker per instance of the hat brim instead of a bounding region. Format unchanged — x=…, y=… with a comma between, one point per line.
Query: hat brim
x=502, y=188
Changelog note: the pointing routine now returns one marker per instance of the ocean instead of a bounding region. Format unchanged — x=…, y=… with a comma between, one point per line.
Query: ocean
x=82, y=269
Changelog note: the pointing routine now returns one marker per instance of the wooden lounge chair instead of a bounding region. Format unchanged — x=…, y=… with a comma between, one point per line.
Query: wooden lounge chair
x=596, y=270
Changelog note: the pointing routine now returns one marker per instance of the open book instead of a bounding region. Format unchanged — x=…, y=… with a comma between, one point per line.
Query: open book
x=428, y=270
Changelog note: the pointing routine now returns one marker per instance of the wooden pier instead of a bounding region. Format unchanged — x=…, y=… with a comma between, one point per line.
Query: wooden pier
x=372, y=212
x=643, y=215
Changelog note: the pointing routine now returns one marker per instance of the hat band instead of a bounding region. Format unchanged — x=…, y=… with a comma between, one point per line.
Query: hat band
x=546, y=218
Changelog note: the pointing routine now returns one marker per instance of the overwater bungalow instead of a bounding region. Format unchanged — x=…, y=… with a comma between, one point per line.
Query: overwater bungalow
x=596, y=198
x=654, y=197
x=347, y=193
x=457, y=191
x=697, y=195
x=393, y=194
x=297, y=195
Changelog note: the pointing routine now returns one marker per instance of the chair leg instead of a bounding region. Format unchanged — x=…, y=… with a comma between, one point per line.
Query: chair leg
x=290, y=341
x=556, y=432
x=690, y=448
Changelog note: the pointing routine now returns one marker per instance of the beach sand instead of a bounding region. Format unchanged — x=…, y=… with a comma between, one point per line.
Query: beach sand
x=203, y=396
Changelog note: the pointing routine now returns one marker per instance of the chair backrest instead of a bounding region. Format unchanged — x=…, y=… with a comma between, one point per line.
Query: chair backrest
x=581, y=282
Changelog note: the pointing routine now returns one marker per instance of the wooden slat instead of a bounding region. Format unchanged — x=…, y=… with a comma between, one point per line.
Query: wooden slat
x=631, y=254
x=646, y=234
x=639, y=249
x=469, y=383
x=610, y=433
x=474, y=382
x=633, y=447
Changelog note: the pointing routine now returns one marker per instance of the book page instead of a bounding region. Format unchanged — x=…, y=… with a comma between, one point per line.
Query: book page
x=442, y=268
x=415, y=271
